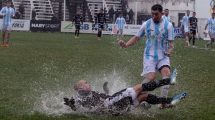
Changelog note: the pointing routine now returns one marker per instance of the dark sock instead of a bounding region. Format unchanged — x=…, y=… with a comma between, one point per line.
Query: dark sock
x=78, y=32
x=150, y=86
x=194, y=40
x=152, y=99
x=75, y=32
x=190, y=39
x=99, y=33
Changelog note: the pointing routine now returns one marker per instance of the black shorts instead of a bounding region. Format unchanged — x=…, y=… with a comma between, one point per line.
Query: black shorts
x=100, y=26
x=77, y=27
x=193, y=32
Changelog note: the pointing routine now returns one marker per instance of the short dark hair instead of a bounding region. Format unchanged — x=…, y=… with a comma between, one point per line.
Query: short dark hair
x=8, y=1
x=194, y=12
x=157, y=7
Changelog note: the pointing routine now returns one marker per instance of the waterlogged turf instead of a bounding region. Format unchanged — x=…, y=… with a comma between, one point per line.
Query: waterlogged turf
x=39, y=69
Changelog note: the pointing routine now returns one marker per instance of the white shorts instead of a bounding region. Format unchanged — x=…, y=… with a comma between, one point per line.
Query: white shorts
x=186, y=29
x=7, y=28
x=150, y=65
x=212, y=35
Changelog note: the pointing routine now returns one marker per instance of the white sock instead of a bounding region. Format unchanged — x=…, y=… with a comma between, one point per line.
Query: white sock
x=165, y=89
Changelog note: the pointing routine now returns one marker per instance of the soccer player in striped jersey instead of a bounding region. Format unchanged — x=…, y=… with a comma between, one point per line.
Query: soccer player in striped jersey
x=78, y=21
x=7, y=12
x=120, y=23
x=185, y=26
x=211, y=30
x=193, y=21
x=166, y=15
x=159, y=46
x=100, y=21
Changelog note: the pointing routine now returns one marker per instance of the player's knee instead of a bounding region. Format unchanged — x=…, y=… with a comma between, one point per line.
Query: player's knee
x=165, y=71
x=150, y=76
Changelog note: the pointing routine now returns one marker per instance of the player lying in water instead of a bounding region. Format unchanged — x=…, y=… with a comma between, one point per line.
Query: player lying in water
x=124, y=100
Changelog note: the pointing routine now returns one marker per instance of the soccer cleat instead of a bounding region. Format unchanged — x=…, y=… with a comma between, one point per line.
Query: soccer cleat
x=145, y=105
x=176, y=99
x=6, y=45
x=173, y=77
x=165, y=106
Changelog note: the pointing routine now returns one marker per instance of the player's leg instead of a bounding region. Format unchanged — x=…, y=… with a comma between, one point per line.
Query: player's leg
x=153, y=99
x=6, y=38
x=121, y=34
x=212, y=37
x=190, y=37
x=134, y=92
x=100, y=28
x=149, y=69
x=3, y=38
x=186, y=30
x=4, y=30
x=78, y=30
x=212, y=41
x=194, y=37
x=164, y=68
x=8, y=35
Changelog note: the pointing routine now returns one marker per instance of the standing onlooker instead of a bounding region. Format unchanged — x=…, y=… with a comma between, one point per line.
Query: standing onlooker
x=22, y=10
x=120, y=23
x=7, y=12
x=166, y=15
x=124, y=12
x=185, y=26
x=193, y=28
x=211, y=30
x=100, y=21
x=34, y=14
x=131, y=15
x=78, y=21
x=116, y=14
x=111, y=13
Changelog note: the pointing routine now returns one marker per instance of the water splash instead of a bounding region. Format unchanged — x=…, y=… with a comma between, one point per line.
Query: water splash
x=51, y=102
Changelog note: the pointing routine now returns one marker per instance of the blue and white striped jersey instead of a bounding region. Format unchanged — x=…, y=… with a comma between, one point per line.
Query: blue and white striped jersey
x=7, y=13
x=158, y=36
x=120, y=22
x=166, y=18
x=185, y=21
x=211, y=25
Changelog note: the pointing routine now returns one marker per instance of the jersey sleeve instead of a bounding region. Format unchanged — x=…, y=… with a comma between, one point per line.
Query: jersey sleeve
x=14, y=11
x=171, y=33
x=141, y=32
x=208, y=22
x=116, y=21
x=2, y=12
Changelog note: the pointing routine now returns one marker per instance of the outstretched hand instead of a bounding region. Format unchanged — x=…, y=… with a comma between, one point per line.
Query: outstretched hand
x=70, y=103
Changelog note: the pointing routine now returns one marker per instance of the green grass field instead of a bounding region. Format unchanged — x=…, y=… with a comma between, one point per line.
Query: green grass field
x=42, y=67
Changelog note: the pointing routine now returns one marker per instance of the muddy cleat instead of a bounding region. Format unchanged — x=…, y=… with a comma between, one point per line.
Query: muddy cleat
x=173, y=77
x=145, y=105
x=165, y=106
x=176, y=99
